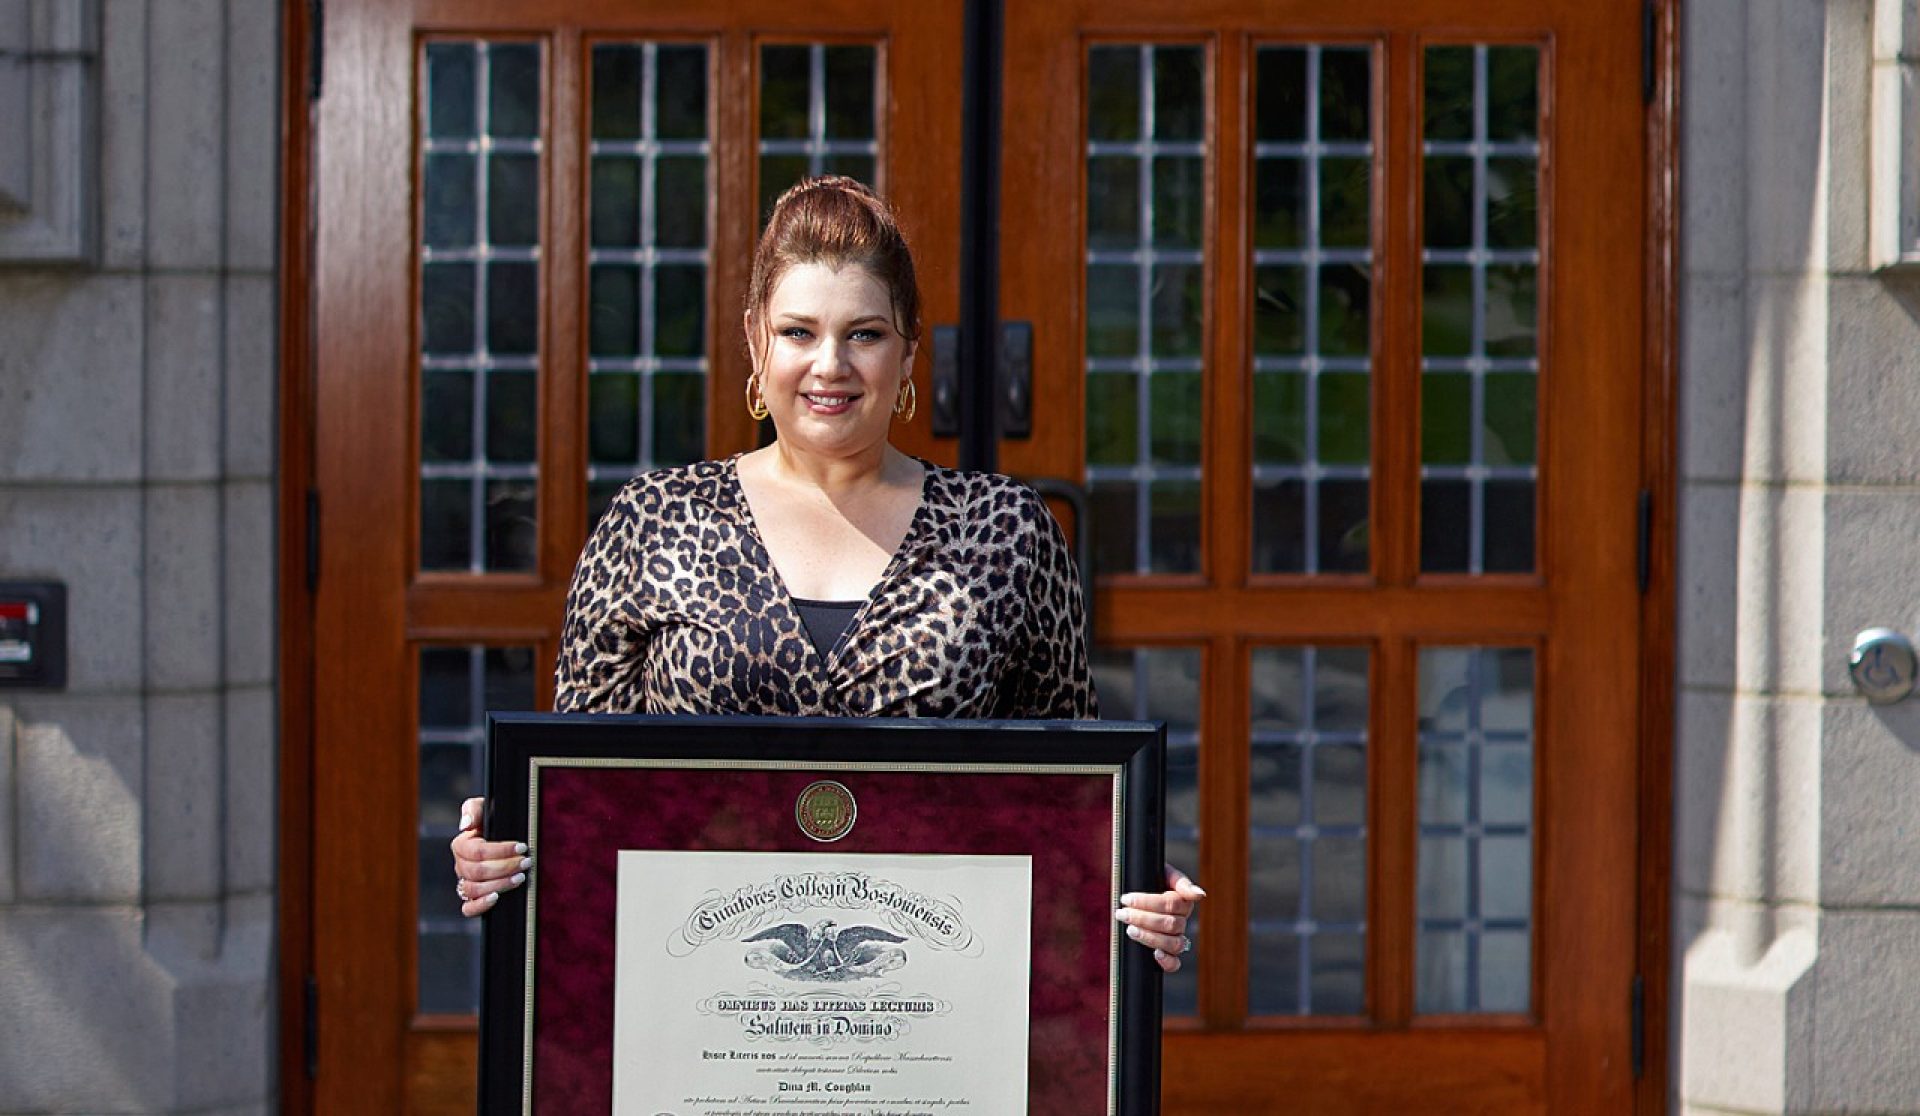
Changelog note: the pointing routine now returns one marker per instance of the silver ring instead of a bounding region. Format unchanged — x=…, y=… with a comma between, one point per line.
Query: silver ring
x=460, y=889
x=1186, y=945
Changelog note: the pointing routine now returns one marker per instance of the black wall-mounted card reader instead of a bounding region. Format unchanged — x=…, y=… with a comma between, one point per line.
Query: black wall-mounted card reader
x=33, y=635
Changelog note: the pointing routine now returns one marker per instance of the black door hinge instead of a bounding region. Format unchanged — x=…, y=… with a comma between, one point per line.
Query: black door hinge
x=1643, y=559
x=313, y=541
x=1637, y=1024
x=1015, y=380
x=312, y=1037
x=1649, y=39
x=316, y=46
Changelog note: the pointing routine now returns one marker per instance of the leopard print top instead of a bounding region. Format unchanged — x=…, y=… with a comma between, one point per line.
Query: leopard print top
x=676, y=608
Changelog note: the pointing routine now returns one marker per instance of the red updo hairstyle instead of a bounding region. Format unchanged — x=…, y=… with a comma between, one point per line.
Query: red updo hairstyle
x=836, y=221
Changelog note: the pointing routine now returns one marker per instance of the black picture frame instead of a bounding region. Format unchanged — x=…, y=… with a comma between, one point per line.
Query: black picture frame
x=1021, y=766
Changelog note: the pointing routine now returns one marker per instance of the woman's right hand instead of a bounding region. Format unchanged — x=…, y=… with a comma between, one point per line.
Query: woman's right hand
x=485, y=868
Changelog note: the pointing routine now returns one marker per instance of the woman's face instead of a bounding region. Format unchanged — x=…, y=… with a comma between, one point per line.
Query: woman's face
x=832, y=360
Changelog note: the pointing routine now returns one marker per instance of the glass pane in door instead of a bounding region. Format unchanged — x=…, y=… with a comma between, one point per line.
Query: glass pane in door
x=1311, y=317
x=458, y=685
x=1480, y=329
x=1146, y=148
x=1163, y=684
x=1475, y=889
x=819, y=114
x=479, y=137
x=1307, y=831
x=647, y=258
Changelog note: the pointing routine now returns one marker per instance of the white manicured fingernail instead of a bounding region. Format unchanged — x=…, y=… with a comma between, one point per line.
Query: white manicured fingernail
x=526, y=862
x=518, y=879
x=1134, y=933
x=1120, y=915
x=492, y=898
x=520, y=848
x=466, y=821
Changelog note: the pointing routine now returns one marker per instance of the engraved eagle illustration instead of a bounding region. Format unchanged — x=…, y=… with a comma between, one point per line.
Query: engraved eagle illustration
x=825, y=951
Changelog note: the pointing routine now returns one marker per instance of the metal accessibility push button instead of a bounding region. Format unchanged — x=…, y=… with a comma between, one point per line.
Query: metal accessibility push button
x=1883, y=665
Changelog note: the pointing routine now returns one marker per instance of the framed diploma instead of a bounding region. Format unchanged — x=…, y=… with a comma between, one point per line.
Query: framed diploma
x=781, y=916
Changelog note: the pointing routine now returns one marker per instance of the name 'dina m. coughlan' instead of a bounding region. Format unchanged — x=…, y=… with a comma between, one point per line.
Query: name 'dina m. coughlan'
x=824, y=1087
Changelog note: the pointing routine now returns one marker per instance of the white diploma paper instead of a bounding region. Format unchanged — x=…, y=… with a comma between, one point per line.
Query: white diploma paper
x=768, y=984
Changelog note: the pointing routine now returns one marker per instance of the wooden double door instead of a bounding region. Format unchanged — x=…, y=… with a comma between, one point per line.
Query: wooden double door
x=1336, y=324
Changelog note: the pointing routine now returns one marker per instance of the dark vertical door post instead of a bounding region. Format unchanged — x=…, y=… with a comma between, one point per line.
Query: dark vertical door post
x=980, y=234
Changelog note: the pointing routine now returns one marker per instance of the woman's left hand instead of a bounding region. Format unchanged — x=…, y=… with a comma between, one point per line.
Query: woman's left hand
x=1158, y=920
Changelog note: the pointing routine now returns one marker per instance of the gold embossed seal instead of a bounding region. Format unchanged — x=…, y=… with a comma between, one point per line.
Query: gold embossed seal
x=825, y=811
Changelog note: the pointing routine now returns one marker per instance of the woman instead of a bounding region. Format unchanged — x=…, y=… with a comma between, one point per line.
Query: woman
x=827, y=574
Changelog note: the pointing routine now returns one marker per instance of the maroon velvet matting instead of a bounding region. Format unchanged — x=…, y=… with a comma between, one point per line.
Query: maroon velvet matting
x=588, y=814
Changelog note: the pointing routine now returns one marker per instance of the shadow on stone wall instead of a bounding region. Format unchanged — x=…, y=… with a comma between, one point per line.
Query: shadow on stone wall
x=110, y=1001
x=1756, y=186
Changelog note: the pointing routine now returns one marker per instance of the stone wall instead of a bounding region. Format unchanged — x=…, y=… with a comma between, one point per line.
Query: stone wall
x=136, y=465
x=1797, y=858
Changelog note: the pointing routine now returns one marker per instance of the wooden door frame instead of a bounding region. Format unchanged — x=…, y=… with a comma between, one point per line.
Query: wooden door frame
x=1659, y=598
x=296, y=563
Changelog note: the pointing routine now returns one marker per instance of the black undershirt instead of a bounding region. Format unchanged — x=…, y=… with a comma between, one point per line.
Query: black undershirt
x=825, y=620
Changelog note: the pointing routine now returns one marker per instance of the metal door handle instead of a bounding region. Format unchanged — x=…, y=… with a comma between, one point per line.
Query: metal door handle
x=1075, y=497
x=946, y=381
x=1012, y=381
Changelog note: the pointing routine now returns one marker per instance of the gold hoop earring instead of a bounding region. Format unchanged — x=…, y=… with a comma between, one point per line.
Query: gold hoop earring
x=907, y=401
x=756, y=400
